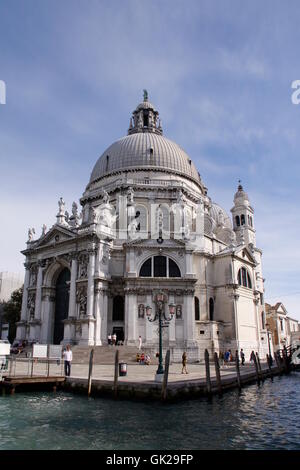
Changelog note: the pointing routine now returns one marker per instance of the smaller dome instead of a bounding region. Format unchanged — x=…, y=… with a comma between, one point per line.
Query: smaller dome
x=220, y=216
x=145, y=105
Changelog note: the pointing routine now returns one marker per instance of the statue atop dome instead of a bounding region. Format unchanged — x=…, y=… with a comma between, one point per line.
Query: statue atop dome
x=145, y=95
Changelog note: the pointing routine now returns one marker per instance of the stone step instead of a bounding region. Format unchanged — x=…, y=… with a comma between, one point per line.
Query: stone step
x=104, y=354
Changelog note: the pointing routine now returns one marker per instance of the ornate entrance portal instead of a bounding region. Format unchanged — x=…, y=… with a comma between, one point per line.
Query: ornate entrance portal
x=61, y=305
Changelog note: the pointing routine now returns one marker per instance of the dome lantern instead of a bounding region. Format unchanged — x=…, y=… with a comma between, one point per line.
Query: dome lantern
x=145, y=118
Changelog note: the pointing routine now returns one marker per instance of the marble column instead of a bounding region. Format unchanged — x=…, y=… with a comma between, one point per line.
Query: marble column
x=98, y=315
x=104, y=314
x=131, y=318
x=38, y=295
x=172, y=324
x=189, y=318
x=72, y=299
x=25, y=293
x=90, y=287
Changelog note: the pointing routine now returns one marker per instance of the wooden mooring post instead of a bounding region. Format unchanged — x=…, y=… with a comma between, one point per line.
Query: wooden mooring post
x=116, y=374
x=259, y=367
x=218, y=375
x=285, y=361
x=270, y=366
x=207, y=369
x=277, y=359
x=256, y=367
x=91, y=363
x=164, y=388
x=238, y=373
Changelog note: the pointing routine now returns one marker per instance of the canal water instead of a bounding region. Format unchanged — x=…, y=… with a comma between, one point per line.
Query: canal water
x=265, y=417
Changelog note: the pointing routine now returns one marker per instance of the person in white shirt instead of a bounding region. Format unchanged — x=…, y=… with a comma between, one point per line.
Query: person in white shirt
x=68, y=356
x=140, y=342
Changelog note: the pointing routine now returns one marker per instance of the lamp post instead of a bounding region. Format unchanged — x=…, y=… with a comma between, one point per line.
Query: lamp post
x=163, y=321
x=270, y=355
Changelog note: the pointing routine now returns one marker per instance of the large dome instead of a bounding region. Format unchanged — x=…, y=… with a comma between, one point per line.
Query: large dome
x=145, y=150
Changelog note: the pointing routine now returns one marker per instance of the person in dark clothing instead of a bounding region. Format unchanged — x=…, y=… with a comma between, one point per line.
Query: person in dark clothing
x=242, y=354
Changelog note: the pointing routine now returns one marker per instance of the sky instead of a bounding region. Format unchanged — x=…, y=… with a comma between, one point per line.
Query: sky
x=220, y=75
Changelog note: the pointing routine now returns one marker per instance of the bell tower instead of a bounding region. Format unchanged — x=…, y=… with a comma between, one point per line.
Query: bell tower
x=243, y=218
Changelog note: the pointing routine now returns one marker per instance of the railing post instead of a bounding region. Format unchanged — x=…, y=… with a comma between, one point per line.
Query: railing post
x=218, y=375
x=116, y=374
x=90, y=372
x=208, y=381
x=238, y=374
x=164, y=388
x=32, y=361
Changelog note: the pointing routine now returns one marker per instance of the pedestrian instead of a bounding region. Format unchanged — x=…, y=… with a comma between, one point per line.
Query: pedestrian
x=226, y=357
x=184, y=361
x=68, y=356
x=140, y=342
x=109, y=340
x=142, y=358
x=114, y=339
x=230, y=356
x=242, y=354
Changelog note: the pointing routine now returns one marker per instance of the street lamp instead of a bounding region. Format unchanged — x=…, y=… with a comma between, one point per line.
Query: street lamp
x=268, y=335
x=163, y=322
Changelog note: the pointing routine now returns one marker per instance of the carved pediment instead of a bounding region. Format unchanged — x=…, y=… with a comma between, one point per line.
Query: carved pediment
x=56, y=235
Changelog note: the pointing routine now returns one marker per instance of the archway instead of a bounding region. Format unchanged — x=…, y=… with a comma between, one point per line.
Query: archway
x=61, y=305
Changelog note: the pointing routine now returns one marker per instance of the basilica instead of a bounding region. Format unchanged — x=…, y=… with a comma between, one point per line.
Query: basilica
x=147, y=236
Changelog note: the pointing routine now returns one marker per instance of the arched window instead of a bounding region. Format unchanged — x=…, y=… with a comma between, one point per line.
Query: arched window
x=159, y=266
x=146, y=269
x=174, y=271
x=237, y=220
x=197, y=309
x=244, y=278
x=211, y=309
x=251, y=222
x=242, y=219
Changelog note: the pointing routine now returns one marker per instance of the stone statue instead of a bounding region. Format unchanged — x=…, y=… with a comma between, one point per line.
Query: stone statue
x=130, y=194
x=61, y=205
x=67, y=217
x=74, y=210
x=31, y=232
x=94, y=215
x=180, y=198
x=44, y=230
x=145, y=95
x=105, y=196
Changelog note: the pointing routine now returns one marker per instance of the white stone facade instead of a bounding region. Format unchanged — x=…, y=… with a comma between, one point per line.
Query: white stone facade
x=95, y=273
